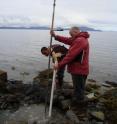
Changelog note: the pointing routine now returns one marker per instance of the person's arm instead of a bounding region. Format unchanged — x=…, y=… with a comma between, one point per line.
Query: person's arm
x=65, y=40
x=73, y=52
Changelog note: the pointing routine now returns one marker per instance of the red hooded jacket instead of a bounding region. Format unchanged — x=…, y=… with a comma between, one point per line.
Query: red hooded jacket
x=77, y=45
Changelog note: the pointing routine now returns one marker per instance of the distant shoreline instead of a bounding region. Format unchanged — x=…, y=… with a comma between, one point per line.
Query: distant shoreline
x=47, y=28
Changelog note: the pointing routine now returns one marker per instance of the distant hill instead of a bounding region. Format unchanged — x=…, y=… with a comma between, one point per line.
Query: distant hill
x=31, y=27
x=88, y=29
x=45, y=28
x=83, y=28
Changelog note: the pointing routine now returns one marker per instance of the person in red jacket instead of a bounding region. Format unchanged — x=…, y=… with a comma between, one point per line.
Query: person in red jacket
x=77, y=59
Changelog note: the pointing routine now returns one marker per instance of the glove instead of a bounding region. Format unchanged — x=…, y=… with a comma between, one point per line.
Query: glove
x=56, y=55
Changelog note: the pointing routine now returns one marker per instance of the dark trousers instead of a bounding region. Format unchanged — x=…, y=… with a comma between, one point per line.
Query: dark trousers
x=59, y=77
x=79, y=85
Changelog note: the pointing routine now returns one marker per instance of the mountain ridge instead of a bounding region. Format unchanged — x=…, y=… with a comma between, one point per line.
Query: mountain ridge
x=82, y=28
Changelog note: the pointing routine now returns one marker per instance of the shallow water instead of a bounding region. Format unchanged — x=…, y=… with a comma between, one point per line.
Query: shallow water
x=20, y=54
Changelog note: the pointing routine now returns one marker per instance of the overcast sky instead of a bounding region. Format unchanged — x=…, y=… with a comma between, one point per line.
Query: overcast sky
x=100, y=14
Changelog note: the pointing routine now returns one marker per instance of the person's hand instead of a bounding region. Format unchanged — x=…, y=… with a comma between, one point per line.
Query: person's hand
x=52, y=33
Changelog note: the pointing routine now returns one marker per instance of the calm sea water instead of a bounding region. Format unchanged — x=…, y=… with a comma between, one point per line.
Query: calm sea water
x=20, y=53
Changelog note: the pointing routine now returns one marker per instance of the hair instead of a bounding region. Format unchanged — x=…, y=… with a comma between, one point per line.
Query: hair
x=43, y=48
x=75, y=28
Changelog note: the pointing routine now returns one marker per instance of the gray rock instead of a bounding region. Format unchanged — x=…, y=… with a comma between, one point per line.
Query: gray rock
x=65, y=104
x=3, y=76
x=98, y=115
x=72, y=117
x=15, y=122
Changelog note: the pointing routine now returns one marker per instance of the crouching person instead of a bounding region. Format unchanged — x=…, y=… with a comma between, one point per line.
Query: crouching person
x=60, y=52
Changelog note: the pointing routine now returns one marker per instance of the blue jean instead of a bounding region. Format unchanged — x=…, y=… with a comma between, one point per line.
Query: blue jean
x=60, y=76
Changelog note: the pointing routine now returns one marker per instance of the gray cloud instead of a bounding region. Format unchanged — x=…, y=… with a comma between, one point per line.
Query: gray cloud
x=93, y=13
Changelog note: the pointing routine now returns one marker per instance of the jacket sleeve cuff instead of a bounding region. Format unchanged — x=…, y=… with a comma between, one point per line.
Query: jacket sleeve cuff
x=56, y=37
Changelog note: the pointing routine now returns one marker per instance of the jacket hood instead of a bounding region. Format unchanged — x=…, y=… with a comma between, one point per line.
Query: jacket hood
x=83, y=34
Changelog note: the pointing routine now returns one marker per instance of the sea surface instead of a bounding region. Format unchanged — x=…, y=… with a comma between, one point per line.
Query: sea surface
x=20, y=54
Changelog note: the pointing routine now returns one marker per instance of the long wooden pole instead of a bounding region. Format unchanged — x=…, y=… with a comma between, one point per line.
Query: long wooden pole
x=49, y=60
x=52, y=26
x=54, y=73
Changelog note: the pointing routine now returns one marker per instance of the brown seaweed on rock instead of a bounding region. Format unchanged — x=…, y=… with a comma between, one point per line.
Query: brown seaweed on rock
x=110, y=102
x=43, y=77
x=110, y=99
x=93, y=88
x=44, y=73
x=92, y=80
x=111, y=117
x=90, y=87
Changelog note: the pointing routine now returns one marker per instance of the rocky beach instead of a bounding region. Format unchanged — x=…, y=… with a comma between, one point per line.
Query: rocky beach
x=25, y=103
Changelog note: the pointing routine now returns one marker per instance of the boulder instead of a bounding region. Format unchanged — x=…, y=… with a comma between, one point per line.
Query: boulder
x=65, y=104
x=72, y=117
x=3, y=76
x=14, y=86
x=92, y=80
x=91, y=87
x=67, y=85
x=15, y=122
x=114, y=84
x=3, y=87
x=10, y=101
x=3, y=80
x=67, y=93
x=99, y=115
x=44, y=78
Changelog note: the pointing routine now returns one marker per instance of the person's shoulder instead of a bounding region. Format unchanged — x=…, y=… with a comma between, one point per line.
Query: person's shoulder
x=80, y=39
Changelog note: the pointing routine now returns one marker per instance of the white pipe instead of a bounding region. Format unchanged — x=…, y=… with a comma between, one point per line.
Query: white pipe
x=52, y=92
